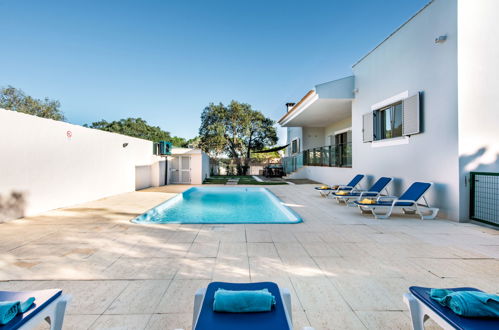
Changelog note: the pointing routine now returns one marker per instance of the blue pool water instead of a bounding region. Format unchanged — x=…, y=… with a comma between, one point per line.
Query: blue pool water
x=221, y=205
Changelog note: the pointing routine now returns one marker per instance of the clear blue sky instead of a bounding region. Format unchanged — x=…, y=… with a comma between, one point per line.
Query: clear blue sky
x=165, y=61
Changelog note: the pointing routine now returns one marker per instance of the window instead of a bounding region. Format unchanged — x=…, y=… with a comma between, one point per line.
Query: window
x=295, y=146
x=401, y=118
x=388, y=122
x=341, y=149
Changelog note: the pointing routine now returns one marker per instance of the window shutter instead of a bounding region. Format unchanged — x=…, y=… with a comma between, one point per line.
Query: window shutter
x=367, y=127
x=411, y=122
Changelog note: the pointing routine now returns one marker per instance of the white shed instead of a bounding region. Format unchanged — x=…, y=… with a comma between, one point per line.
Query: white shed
x=188, y=166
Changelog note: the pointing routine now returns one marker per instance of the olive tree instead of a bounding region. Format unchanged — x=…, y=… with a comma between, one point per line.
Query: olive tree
x=235, y=130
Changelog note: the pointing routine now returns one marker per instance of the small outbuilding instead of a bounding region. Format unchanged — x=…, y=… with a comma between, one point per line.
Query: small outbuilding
x=188, y=166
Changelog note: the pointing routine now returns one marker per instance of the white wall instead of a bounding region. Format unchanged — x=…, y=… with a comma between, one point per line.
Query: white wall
x=197, y=169
x=143, y=177
x=256, y=169
x=327, y=175
x=52, y=170
x=478, y=72
x=205, y=166
x=313, y=137
x=156, y=172
x=411, y=61
x=293, y=133
x=334, y=127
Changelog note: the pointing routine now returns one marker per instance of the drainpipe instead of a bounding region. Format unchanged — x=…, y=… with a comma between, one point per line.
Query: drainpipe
x=166, y=170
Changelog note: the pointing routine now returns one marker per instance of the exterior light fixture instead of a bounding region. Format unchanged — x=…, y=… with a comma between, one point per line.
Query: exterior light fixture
x=441, y=39
x=125, y=144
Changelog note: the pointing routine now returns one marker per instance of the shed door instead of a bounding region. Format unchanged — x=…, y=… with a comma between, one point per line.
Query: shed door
x=174, y=172
x=185, y=169
x=180, y=170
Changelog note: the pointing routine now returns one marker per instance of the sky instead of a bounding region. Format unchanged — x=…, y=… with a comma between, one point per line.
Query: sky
x=164, y=61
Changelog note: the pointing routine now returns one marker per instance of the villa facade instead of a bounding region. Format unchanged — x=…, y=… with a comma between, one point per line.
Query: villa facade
x=421, y=106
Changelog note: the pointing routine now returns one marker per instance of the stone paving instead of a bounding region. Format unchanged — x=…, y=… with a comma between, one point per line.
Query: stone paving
x=345, y=270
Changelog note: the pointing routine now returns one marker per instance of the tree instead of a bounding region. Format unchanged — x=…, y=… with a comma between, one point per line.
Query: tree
x=15, y=99
x=194, y=142
x=139, y=128
x=235, y=130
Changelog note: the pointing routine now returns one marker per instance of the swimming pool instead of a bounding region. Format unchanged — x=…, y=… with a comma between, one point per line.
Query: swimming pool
x=221, y=205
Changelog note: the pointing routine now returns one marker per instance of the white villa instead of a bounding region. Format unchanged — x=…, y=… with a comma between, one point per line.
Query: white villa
x=421, y=106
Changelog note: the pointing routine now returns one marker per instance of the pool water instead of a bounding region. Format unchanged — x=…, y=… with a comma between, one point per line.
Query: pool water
x=221, y=205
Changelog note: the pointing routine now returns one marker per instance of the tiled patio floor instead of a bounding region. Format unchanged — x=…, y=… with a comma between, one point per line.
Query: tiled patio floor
x=345, y=270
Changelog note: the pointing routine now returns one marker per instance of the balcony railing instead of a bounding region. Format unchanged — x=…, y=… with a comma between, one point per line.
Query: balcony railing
x=339, y=155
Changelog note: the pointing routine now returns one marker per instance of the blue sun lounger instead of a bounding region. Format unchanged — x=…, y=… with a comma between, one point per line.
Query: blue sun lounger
x=350, y=186
x=374, y=191
x=49, y=305
x=422, y=307
x=407, y=202
x=205, y=318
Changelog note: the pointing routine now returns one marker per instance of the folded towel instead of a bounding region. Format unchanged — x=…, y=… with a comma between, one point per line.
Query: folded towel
x=342, y=193
x=243, y=301
x=324, y=187
x=9, y=309
x=367, y=201
x=468, y=303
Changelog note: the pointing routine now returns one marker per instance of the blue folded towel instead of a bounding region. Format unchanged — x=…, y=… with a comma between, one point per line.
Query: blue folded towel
x=468, y=303
x=9, y=309
x=243, y=301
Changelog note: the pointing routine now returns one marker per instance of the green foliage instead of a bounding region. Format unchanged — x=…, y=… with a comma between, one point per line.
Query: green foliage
x=15, y=99
x=235, y=130
x=194, y=142
x=138, y=127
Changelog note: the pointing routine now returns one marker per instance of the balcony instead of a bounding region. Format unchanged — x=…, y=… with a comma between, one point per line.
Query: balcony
x=339, y=155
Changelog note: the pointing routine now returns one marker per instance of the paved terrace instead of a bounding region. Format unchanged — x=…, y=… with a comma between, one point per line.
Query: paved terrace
x=345, y=270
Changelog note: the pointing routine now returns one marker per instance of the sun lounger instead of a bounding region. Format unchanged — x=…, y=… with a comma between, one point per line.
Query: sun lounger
x=422, y=307
x=407, y=202
x=49, y=305
x=350, y=186
x=279, y=318
x=372, y=192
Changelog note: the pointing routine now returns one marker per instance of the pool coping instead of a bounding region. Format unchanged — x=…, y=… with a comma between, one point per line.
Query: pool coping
x=281, y=205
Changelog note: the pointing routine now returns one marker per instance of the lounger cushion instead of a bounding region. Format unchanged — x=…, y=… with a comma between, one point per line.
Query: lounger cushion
x=275, y=319
x=356, y=194
x=458, y=322
x=382, y=203
x=329, y=189
x=355, y=181
x=415, y=191
x=376, y=188
x=380, y=184
x=42, y=299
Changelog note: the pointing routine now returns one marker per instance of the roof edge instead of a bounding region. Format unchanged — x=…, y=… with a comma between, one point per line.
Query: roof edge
x=292, y=110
